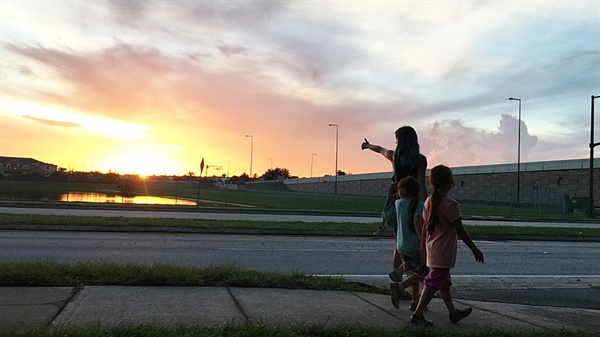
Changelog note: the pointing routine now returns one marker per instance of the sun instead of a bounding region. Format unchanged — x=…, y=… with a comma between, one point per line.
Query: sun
x=145, y=162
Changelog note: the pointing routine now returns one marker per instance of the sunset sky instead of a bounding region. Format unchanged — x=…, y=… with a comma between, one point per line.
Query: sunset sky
x=152, y=87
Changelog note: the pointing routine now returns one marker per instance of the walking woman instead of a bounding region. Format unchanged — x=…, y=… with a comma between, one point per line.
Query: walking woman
x=406, y=160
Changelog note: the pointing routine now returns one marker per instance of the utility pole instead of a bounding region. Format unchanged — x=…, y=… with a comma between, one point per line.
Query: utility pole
x=592, y=146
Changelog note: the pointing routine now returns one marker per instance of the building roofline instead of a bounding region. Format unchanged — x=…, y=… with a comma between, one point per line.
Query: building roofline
x=554, y=165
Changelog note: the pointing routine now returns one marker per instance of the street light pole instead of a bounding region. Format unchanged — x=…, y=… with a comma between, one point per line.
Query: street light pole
x=592, y=146
x=251, y=151
x=336, y=155
x=312, y=158
x=518, y=153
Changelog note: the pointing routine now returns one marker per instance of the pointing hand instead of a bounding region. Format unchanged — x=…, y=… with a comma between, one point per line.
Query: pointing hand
x=365, y=145
x=478, y=255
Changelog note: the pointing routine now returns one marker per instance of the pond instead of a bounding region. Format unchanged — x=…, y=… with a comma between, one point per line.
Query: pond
x=117, y=199
x=94, y=197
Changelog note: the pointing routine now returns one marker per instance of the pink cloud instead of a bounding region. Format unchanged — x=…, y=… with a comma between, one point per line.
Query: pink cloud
x=454, y=144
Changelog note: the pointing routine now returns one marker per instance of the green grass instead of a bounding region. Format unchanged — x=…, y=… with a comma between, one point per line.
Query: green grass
x=263, y=330
x=273, y=200
x=117, y=221
x=214, y=198
x=542, y=232
x=277, y=199
x=291, y=226
x=54, y=274
x=81, y=274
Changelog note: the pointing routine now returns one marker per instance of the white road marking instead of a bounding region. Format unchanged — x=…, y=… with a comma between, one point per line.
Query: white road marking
x=480, y=276
x=299, y=250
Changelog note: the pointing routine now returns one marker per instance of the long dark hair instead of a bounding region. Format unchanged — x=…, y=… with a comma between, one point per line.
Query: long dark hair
x=411, y=186
x=407, y=151
x=440, y=177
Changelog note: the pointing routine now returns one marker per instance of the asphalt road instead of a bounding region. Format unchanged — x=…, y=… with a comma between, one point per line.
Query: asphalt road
x=542, y=273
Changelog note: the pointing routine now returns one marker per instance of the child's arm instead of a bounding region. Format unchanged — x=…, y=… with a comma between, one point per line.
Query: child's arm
x=462, y=233
x=423, y=234
x=418, y=221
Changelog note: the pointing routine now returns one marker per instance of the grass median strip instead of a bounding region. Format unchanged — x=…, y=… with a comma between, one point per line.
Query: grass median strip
x=53, y=274
x=117, y=221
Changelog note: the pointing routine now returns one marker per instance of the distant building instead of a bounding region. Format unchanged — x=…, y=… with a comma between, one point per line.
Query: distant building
x=22, y=166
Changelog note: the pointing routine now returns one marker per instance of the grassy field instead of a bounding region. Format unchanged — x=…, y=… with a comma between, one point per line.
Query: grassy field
x=264, y=200
x=215, y=199
x=212, y=198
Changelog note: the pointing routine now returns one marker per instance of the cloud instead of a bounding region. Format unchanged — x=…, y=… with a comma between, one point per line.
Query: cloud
x=210, y=72
x=125, y=81
x=230, y=50
x=25, y=71
x=49, y=122
x=452, y=143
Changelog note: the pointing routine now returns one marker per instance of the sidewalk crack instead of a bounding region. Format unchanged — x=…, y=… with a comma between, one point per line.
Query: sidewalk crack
x=75, y=291
x=379, y=307
x=238, y=305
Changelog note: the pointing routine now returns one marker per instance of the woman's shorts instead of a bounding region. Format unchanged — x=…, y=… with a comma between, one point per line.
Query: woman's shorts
x=413, y=264
x=438, y=279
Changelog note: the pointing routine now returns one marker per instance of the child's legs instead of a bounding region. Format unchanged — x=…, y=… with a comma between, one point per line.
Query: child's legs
x=447, y=297
x=398, y=263
x=414, y=292
x=397, y=259
x=410, y=281
x=417, y=271
x=437, y=279
x=445, y=292
x=426, y=297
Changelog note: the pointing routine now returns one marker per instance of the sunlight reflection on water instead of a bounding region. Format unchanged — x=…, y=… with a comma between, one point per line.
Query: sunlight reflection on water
x=138, y=199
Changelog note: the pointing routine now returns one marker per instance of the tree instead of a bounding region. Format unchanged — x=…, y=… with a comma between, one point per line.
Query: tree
x=274, y=174
x=341, y=173
x=241, y=179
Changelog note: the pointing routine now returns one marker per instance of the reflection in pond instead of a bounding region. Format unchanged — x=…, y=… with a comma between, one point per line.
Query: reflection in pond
x=138, y=199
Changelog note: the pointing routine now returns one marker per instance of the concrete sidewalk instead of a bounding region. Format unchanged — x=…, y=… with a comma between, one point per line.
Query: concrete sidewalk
x=25, y=308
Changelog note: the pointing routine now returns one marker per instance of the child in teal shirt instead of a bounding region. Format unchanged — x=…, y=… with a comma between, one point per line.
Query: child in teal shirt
x=410, y=224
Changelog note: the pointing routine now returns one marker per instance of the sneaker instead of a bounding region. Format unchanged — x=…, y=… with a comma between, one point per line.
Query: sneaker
x=395, y=277
x=420, y=320
x=460, y=314
x=395, y=290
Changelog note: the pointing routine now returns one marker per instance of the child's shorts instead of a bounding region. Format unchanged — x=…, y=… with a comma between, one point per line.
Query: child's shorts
x=413, y=264
x=438, y=279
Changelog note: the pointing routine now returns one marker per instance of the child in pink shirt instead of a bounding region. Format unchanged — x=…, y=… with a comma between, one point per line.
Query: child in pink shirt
x=443, y=224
